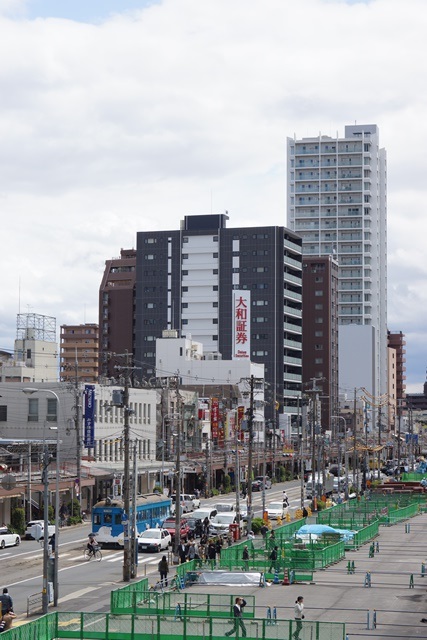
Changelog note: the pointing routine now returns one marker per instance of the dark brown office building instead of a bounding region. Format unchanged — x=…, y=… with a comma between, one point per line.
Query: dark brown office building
x=320, y=333
x=116, y=310
x=396, y=341
x=79, y=352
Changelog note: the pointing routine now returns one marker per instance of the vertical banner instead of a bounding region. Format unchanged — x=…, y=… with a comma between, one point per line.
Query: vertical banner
x=241, y=347
x=214, y=417
x=240, y=418
x=89, y=418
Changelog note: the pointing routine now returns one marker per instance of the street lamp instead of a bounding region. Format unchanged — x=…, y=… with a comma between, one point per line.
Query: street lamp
x=45, y=598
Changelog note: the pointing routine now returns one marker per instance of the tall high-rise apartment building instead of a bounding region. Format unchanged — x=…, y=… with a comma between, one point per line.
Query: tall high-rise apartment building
x=238, y=291
x=337, y=204
x=79, y=352
x=116, y=310
x=320, y=331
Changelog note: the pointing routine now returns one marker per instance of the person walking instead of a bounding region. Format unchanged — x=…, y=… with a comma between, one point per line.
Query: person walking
x=182, y=552
x=245, y=558
x=212, y=554
x=238, y=620
x=299, y=616
x=6, y=602
x=191, y=551
x=163, y=568
x=264, y=530
x=273, y=560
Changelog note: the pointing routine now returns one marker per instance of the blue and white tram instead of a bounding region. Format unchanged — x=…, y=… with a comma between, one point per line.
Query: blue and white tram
x=107, y=516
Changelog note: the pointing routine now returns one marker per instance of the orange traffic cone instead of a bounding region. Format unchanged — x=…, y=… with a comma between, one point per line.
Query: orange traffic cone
x=285, y=578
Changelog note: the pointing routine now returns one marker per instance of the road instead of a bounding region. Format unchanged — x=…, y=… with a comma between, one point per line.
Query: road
x=86, y=586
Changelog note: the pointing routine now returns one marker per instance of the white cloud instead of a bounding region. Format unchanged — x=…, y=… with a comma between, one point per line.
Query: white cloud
x=132, y=123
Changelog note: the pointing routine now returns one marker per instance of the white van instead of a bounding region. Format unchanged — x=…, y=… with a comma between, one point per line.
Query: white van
x=204, y=512
x=186, y=502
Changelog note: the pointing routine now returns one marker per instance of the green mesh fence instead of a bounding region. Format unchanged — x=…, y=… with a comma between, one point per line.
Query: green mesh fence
x=122, y=600
x=189, y=604
x=106, y=626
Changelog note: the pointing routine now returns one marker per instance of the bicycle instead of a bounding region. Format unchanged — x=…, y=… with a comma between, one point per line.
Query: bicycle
x=95, y=554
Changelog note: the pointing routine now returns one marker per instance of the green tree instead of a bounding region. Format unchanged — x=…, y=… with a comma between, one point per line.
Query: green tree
x=17, y=520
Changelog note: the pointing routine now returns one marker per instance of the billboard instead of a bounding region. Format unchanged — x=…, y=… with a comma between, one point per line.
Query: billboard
x=89, y=417
x=214, y=417
x=241, y=347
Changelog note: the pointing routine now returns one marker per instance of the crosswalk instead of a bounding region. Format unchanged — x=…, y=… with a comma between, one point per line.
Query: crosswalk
x=148, y=560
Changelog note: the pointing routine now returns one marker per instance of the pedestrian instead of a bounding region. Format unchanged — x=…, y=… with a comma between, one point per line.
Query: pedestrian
x=304, y=512
x=182, y=552
x=238, y=621
x=251, y=535
x=272, y=540
x=273, y=559
x=52, y=542
x=212, y=554
x=264, y=530
x=206, y=526
x=6, y=602
x=285, y=499
x=245, y=558
x=163, y=568
x=299, y=616
x=191, y=551
x=218, y=547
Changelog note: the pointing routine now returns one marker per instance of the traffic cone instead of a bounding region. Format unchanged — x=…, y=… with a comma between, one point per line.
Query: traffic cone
x=285, y=578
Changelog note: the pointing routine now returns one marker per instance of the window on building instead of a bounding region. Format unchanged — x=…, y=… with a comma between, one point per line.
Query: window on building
x=318, y=307
x=318, y=320
x=318, y=334
x=185, y=272
x=185, y=256
x=184, y=321
x=185, y=239
x=215, y=255
x=215, y=304
x=318, y=361
x=184, y=305
x=3, y=413
x=33, y=410
x=150, y=305
x=318, y=292
x=52, y=413
x=215, y=287
x=318, y=347
x=149, y=256
x=215, y=239
x=214, y=320
x=215, y=338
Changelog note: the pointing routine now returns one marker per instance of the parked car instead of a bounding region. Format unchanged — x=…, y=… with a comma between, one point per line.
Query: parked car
x=170, y=523
x=8, y=539
x=154, y=540
x=186, y=502
x=277, y=510
x=31, y=530
x=195, y=501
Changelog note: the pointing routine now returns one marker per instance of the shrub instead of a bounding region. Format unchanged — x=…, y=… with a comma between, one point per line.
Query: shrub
x=257, y=524
x=17, y=523
x=74, y=520
x=227, y=483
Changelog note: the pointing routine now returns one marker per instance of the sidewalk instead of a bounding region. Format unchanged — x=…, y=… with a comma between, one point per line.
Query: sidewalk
x=338, y=596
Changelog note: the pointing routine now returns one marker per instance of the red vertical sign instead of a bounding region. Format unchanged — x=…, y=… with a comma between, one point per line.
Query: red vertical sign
x=214, y=417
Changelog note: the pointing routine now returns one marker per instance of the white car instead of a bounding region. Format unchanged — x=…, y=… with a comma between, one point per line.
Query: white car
x=154, y=540
x=277, y=510
x=8, y=539
x=31, y=530
x=220, y=524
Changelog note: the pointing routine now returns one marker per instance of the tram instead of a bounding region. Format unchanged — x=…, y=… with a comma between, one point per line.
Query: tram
x=108, y=516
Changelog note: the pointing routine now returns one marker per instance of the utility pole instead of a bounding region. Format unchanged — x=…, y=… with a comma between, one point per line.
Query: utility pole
x=126, y=470
x=178, y=467
x=77, y=426
x=250, y=451
x=355, y=465
x=237, y=479
x=134, y=530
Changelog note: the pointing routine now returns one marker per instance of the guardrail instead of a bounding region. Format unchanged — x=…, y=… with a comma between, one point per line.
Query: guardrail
x=34, y=603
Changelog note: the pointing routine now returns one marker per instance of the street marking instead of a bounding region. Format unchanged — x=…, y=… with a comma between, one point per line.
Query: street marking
x=77, y=594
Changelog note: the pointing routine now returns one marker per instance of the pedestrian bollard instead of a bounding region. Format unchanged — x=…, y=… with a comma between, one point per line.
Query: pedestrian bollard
x=367, y=579
x=353, y=566
x=177, y=613
x=377, y=547
x=407, y=527
x=276, y=577
x=181, y=582
x=269, y=615
x=423, y=569
x=261, y=580
x=349, y=567
x=274, y=616
x=368, y=625
x=411, y=581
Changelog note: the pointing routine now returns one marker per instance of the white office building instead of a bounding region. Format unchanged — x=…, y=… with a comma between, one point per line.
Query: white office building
x=336, y=202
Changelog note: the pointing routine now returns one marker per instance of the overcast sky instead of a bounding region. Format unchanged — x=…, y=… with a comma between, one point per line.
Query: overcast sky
x=118, y=116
